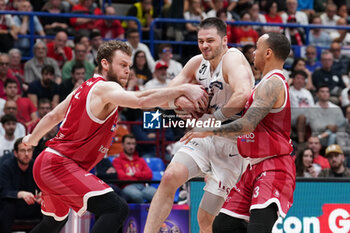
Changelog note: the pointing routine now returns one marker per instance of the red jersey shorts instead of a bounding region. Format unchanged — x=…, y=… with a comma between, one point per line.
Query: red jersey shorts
x=270, y=181
x=65, y=185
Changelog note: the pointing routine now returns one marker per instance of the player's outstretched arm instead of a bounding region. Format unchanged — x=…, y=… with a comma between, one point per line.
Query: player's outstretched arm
x=268, y=95
x=49, y=121
x=115, y=94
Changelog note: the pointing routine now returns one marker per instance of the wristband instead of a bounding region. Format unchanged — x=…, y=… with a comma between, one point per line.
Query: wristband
x=220, y=116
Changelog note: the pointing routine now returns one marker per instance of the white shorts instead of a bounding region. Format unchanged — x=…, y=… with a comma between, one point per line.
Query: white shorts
x=218, y=159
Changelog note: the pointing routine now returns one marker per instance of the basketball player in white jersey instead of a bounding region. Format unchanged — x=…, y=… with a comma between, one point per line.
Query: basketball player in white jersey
x=228, y=79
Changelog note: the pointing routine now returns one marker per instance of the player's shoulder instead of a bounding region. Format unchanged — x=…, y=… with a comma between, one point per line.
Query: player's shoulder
x=193, y=64
x=233, y=53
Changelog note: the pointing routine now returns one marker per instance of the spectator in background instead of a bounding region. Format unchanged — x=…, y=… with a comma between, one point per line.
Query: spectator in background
x=301, y=102
x=26, y=111
x=194, y=12
x=244, y=34
x=343, y=12
x=22, y=22
x=315, y=144
x=327, y=75
x=160, y=77
x=335, y=156
x=58, y=50
x=300, y=16
x=105, y=170
x=20, y=196
x=80, y=57
x=33, y=67
x=222, y=14
x=10, y=108
x=72, y=83
x=318, y=36
x=7, y=140
x=45, y=87
x=326, y=117
x=340, y=35
x=110, y=28
x=130, y=166
x=343, y=134
x=256, y=16
x=84, y=39
x=52, y=25
x=44, y=107
x=95, y=43
x=272, y=16
x=248, y=52
x=16, y=66
x=85, y=7
x=5, y=73
x=218, y=5
x=304, y=164
x=295, y=35
x=311, y=58
x=340, y=62
x=143, y=10
x=133, y=40
x=141, y=67
x=8, y=30
x=329, y=18
x=300, y=64
x=132, y=84
x=165, y=53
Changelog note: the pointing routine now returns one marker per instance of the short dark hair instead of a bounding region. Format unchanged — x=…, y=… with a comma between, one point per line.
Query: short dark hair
x=246, y=48
x=322, y=85
x=213, y=22
x=8, y=118
x=77, y=65
x=107, y=49
x=130, y=31
x=95, y=33
x=299, y=72
x=9, y=81
x=127, y=136
x=44, y=101
x=17, y=142
x=48, y=69
x=279, y=44
x=78, y=38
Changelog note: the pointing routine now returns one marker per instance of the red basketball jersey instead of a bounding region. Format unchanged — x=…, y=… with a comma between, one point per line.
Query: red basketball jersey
x=83, y=137
x=272, y=135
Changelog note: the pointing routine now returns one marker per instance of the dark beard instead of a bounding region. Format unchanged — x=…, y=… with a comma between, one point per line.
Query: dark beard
x=113, y=77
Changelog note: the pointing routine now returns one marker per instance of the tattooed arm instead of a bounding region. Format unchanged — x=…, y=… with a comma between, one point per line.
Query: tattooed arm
x=269, y=95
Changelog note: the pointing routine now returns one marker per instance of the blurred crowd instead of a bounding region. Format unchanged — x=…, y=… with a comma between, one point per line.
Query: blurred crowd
x=65, y=49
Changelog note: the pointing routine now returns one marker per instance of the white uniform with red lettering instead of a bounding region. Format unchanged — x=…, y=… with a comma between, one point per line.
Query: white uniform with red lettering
x=216, y=156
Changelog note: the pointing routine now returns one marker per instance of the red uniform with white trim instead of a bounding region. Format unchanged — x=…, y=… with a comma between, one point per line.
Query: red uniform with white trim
x=271, y=176
x=62, y=170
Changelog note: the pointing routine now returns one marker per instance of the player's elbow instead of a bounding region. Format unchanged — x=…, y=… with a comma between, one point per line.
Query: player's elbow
x=53, y=117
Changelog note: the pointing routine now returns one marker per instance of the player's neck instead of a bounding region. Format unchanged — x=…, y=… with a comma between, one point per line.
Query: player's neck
x=269, y=66
x=215, y=62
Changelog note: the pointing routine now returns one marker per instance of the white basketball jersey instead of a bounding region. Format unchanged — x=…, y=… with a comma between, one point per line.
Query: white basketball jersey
x=218, y=90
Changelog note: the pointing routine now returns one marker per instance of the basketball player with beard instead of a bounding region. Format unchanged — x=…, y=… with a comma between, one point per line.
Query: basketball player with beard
x=227, y=77
x=89, y=118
